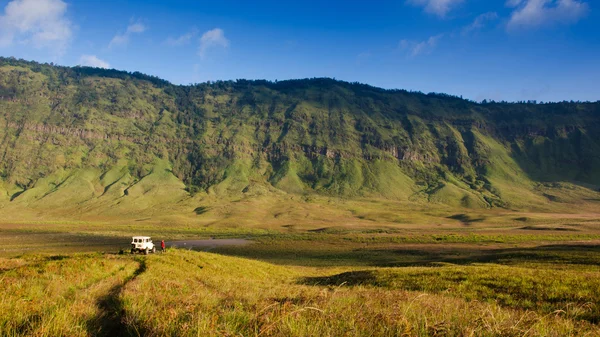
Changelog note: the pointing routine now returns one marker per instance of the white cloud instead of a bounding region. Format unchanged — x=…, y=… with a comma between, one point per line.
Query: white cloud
x=210, y=39
x=119, y=39
x=436, y=7
x=40, y=23
x=123, y=39
x=92, y=61
x=537, y=13
x=136, y=28
x=183, y=39
x=416, y=48
x=480, y=22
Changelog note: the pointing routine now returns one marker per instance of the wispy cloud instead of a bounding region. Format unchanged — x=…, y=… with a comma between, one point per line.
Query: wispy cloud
x=538, y=13
x=92, y=61
x=435, y=7
x=39, y=23
x=363, y=57
x=183, y=39
x=480, y=22
x=212, y=39
x=416, y=48
x=513, y=3
x=122, y=39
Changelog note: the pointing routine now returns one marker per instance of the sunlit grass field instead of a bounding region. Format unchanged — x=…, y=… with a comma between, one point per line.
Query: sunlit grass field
x=352, y=269
x=189, y=293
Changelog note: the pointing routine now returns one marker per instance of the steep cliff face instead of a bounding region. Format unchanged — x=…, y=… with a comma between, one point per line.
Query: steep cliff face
x=82, y=136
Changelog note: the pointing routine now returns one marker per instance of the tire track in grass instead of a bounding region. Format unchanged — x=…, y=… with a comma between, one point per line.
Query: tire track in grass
x=69, y=287
x=111, y=317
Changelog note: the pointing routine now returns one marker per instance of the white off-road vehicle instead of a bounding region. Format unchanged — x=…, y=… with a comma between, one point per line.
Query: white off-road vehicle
x=142, y=244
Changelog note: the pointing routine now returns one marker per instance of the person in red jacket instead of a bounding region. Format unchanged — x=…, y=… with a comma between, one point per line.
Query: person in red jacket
x=162, y=245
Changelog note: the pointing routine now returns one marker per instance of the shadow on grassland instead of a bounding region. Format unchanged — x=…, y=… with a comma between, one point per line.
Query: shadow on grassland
x=554, y=288
x=429, y=255
x=111, y=319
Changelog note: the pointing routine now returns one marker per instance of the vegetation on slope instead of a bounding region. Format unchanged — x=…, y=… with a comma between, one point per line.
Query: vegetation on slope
x=98, y=138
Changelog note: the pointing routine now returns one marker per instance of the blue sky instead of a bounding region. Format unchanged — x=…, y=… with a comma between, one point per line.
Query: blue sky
x=545, y=50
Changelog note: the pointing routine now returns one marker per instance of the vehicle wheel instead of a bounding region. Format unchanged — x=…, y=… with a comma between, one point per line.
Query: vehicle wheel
x=153, y=250
x=146, y=251
x=132, y=251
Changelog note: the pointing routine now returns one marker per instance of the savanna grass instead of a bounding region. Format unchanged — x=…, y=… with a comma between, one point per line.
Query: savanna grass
x=57, y=295
x=188, y=293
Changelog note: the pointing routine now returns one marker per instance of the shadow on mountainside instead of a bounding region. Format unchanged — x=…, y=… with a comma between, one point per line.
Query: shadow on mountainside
x=110, y=321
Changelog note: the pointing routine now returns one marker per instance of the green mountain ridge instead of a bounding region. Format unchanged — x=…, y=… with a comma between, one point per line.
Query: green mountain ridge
x=91, y=139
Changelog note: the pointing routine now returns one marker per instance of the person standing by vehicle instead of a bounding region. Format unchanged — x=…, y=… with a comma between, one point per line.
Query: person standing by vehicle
x=162, y=245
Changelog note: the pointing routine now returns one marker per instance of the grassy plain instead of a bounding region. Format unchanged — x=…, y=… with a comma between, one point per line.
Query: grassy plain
x=317, y=267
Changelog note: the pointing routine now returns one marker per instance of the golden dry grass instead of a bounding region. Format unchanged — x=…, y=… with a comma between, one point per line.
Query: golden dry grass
x=188, y=293
x=318, y=266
